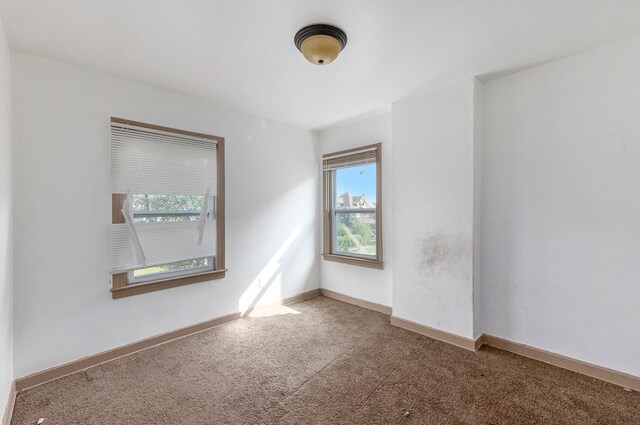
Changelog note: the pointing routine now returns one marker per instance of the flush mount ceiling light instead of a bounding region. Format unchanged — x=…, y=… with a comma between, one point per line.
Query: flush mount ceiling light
x=320, y=43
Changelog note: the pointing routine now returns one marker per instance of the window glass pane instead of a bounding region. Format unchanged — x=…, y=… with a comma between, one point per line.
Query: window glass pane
x=154, y=208
x=356, y=233
x=174, y=267
x=355, y=210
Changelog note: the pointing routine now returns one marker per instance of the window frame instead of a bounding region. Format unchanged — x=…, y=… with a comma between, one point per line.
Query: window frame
x=329, y=189
x=120, y=284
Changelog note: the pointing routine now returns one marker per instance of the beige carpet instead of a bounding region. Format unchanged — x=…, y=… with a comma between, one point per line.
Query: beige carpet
x=323, y=362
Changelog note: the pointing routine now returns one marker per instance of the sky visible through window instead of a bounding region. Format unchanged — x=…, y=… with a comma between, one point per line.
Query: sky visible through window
x=357, y=180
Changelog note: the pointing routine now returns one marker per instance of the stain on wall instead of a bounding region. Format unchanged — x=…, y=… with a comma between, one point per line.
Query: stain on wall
x=438, y=250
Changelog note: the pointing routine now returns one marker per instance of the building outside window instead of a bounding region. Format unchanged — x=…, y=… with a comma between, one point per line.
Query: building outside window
x=353, y=207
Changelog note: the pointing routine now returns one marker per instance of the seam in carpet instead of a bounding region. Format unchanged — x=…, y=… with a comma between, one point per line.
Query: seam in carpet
x=301, y=385
x=375, y=390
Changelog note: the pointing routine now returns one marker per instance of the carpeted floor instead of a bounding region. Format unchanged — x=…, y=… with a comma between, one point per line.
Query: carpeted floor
x=323, y=362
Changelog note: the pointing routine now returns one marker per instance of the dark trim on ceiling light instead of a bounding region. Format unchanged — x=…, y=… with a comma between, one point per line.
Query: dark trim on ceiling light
x=320, y=29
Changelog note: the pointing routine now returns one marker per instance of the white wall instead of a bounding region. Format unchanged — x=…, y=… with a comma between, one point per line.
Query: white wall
x=63, y=307
x=478, y=163
x=561, y=229
x=6, y=227
x=433, y=187
x=368, y=284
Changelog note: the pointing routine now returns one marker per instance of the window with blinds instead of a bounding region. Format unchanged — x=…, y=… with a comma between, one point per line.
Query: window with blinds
x=353, y=206
x=168, y=207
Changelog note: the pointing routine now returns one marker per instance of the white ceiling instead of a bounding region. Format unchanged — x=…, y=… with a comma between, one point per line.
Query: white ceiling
x=240, y=53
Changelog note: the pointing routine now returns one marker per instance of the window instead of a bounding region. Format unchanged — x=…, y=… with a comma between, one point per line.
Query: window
x=167, y=207
x=353, y=206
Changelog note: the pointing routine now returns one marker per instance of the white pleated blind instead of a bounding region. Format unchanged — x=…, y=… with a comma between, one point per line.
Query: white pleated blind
x=352, y=159
x=157, y=162
x=162, y=243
